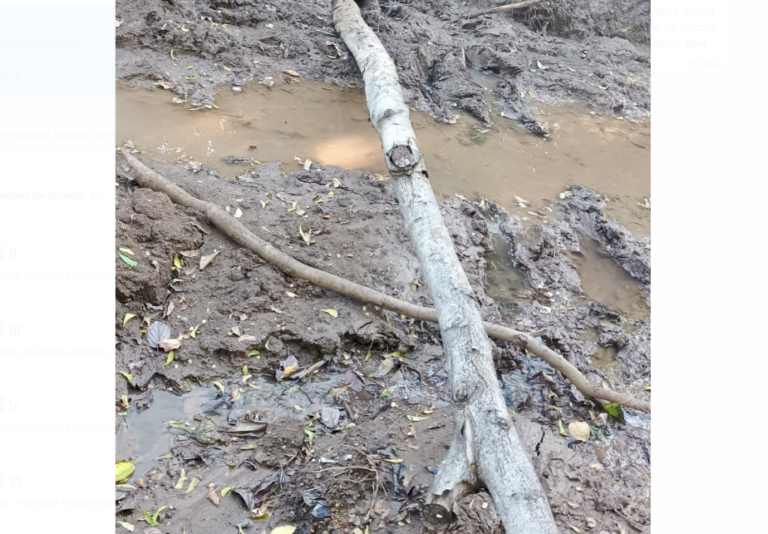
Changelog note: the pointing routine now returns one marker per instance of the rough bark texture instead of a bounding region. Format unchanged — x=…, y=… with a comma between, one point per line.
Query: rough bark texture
x=486, y=449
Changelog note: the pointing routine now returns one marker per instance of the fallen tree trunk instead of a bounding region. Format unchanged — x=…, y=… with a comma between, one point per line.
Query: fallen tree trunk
x=502, y=9
x=486, y=450
x=247, y=239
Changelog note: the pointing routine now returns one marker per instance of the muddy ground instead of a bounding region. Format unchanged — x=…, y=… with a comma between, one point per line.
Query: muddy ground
x=314, y=452
x=564, y=52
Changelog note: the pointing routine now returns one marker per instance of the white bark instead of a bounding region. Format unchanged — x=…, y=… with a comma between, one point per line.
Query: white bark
x=486, y=450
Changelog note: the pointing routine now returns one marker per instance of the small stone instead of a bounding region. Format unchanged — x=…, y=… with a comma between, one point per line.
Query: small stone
x=237, y=89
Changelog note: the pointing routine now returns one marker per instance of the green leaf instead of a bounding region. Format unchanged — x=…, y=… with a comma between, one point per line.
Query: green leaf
x=394, y=460
x=266, y=345
x=349, y=425
x=248, y=447
x=128, y=260
x=182, y=481
x=169, y=359
x=253, y=353
x=330, y=311
x=176, y=261
x=238, y=213
x=123, y=470
x=367, y=357
x=126, y=251
x=128, y=317
x=152, y=522
x=245, y=369
x=561, y=428
x=128, y=376
x=306, y=236
x=219, y=385
x=192, y=484
x=415, y=418
x=191, y=79
x=226, y=490
x=226, y=68
x=319, y=199
x=126, y=526
x=385, y=393
x=293, y=207
x=614, y=410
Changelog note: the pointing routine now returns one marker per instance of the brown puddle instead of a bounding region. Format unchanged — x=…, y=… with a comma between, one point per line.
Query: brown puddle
x=327, y=124
x=605, y=281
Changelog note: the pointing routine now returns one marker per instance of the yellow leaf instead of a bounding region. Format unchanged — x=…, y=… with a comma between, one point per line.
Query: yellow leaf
x=226, y=490
x=192, y=484
x=331, y=312
x=126, y=251
x=126, y=526
x=128, y=376
x=219, y=385
x=169, y=359
x=415, y=418
x=580, y=431
x=123, y=470
x=285, y=529
x=394, y=460
x=128, y=317
x=238, y=213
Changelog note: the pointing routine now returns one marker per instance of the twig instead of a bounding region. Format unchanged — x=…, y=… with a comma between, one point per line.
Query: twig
x=502, y=9
x=309, y=370
x=150, y=179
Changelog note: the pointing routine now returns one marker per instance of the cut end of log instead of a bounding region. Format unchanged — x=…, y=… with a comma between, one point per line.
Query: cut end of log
x=437, y=514
x=402, y=157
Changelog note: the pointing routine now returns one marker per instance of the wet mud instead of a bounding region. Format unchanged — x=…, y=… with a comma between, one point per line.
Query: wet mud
x=228, y=434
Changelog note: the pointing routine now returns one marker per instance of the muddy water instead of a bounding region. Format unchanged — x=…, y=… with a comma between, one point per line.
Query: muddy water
x=605, y=281
x=327, y=124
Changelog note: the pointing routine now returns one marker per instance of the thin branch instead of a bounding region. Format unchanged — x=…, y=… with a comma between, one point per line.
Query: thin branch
x=502, y=9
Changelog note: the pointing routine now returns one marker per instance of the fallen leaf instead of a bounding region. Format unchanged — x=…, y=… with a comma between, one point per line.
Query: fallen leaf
x=128, y=260
x=123, y=470
x=157, y=332
x=226, y=490
x=330, y=311
x=219, y=385
x=579, y=430
x=238, y=213
x=560, y=428
x=574, y=505
x=575, y=529
x=385, y=393
x=292, y=295
x=394, y=460
x=177, y=262
x=288, y=367
x=295, y=75
x=128, y=317
x=212, y=495
x=170, y=358
x=189, y=253
x=386, y=365
x=415, y=418
x=591, y=523
x=247, y=337
x=336, y=183
x=126, y=526
x=126, y=251
x=206, y=260
x=192, y=484
x=170, y=344
x=412, y=431
x=330, y=194
x=597, y=466
x=128, y=376
x=253, y=353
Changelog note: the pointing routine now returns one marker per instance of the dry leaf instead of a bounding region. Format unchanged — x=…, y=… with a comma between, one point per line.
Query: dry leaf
x=169, y=344
x=336, y=183
x=292, y=295
x=189, y=253
x=247, y=337
x=212, y=495
x=275, y=309
x=574, y=505
x=384, y=368
x=206, y=260
x=292, y=73
x=580, y=431
x=285, y=529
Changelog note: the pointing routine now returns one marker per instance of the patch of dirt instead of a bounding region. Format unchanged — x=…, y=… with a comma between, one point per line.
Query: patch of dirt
x=566, y=52
x=238, y=296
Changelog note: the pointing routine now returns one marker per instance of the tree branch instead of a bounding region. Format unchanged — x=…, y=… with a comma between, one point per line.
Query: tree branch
x=502, y=9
